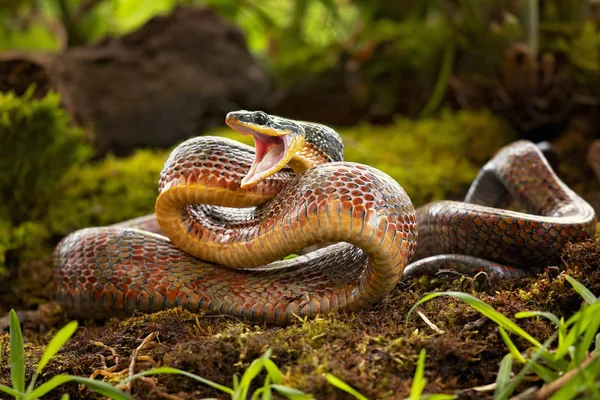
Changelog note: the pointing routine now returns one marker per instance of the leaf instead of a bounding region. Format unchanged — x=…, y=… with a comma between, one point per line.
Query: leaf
x=169, y=370
x=548, y=315
x=589, y=335
x=11, y=391
x=57, y=342
x=512, y=348
x=579, y=384
x=273, y=370
x=340, y=384
x=582, y=290
x=484, y=309
x=100, y=387
x=544, y=373
x=579, y=327
x=419, y=381
x=49, y=385
x=503, y=376
x=291, y=393
x=249, y=374
x=17, y=353
x=438, y=396
x=510, y=388
x=441, y=84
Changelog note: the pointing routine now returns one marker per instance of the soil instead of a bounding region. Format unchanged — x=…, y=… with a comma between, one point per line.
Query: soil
x=374, y=350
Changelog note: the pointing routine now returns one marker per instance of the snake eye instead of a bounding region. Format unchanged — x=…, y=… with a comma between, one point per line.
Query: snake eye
x=261, y=118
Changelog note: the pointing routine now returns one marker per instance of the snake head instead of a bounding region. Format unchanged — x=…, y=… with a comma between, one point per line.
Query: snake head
x=277, y=140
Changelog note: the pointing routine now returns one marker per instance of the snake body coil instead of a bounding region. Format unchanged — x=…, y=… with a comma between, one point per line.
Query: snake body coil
x=223, y=259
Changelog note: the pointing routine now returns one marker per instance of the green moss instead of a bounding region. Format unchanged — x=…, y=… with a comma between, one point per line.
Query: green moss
x=434, y=158
x=37, y=146
x=108, y=191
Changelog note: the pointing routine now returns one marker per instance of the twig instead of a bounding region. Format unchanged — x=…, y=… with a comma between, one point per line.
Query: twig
x=152, y=383
x=135, y=355
x=548, y=389
x=429, y=323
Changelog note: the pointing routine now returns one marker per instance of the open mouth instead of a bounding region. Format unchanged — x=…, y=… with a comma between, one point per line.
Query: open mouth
x=270, y=157
x=273, y=152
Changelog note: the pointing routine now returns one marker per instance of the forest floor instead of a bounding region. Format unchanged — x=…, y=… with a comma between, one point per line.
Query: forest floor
x=373, y=350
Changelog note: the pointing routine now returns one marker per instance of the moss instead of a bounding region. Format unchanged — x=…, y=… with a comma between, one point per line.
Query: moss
x=37, y=146
x=107, y=191
x=433, y=158
x=374, y=350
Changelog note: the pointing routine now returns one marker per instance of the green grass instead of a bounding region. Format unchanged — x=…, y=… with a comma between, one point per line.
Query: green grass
x=241, y=386
x=566, y=365
x=568, y=362
x=17, y=367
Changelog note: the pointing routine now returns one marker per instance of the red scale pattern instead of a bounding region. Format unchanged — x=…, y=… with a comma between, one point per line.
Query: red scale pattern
x=477, y=235
x=116, y=270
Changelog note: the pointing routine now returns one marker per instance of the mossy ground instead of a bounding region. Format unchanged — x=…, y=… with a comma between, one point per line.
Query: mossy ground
x=373, y=350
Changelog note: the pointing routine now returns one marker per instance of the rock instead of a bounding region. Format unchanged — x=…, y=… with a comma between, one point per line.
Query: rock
x=173, y=78
x=593, y=157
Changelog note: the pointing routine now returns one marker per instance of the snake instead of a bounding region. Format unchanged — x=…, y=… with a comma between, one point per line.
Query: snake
x=227, y=215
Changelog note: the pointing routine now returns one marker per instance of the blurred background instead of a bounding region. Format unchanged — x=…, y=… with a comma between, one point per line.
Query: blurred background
x=95, y=93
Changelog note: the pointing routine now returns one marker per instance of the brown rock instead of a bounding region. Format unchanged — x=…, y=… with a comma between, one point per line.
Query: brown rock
x=176, y=76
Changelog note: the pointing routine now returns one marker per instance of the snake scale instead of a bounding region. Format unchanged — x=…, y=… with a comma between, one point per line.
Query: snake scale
x=227, y=214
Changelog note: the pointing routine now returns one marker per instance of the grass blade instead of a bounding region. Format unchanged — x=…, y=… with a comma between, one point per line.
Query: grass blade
x=340, y=384
x=57, y=342
x=579, y=327
x=419, y=382
x=291, y=393
x=512, y=348
x=584, y=344
x=169, y=370
x=102, y=388
x=582, y=290
x=503, y=377
x=49, y=385
x=267, y=393
x=544, y=373
x=548, y=315
x=17, y=353
x=273, y=370
x=510, y=388
x=249, y=374
x=484, y=309
x=15, y=393
x=577, y=385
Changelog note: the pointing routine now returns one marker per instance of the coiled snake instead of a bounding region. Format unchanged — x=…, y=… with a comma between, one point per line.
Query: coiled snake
x=295, y=191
